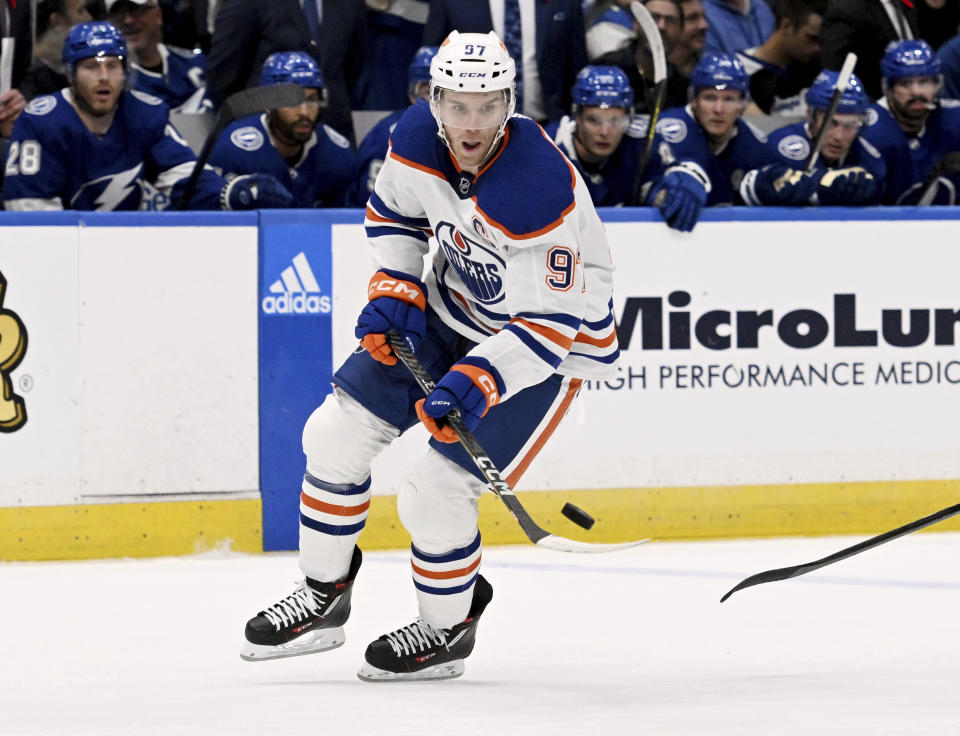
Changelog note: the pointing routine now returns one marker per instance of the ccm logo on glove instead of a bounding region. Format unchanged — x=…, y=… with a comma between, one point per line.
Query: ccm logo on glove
x=383, y=285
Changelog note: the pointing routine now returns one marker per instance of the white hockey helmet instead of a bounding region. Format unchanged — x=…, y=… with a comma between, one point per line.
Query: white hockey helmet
x=473, y=62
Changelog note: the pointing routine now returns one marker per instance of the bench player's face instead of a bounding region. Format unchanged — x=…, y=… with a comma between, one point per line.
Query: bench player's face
x=141, y=25
x=912, y=97
x=600, y=129
x=98, y=83
x=839, y=136
x=295, y=124
x=470, y=122
x=717, y=110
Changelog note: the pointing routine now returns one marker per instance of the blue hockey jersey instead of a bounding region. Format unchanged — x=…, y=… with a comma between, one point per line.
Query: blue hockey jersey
x=55, y=162
x=911, y=158
x=319, y=177
x=791, y=144
x=610, y=185
x=181, y=83
x=370, y=155
x=680, y=138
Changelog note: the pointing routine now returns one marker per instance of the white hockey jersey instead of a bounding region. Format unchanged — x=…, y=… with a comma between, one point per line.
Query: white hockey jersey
x=522, y=265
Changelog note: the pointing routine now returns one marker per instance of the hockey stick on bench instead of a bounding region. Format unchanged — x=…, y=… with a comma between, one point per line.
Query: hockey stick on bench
x=843, y=79
x=239, y=105
x=495, y=482
x=784, y=573
x=656, y=96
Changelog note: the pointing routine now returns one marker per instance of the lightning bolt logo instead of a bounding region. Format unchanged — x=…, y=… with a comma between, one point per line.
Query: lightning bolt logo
x=118, y=188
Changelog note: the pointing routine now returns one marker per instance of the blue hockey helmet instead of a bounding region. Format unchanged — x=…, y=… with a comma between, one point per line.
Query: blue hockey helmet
x=602, y=86
x=909, y=59
x=92, y=39
x=853, y=101
x=283, y=67
x=720, y=71
x=420, y=66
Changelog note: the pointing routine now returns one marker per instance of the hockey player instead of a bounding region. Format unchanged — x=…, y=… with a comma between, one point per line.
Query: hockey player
x=175, y=75
x=912, y=127
x=514, y=311
x=602, y=139
x=848, y=171
x=701, y=151
x=314, y=162
x=373, y=147
x=95, y=146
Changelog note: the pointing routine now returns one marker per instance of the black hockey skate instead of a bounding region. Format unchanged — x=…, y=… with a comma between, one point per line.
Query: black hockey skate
x=308, y=620
x=420, y=651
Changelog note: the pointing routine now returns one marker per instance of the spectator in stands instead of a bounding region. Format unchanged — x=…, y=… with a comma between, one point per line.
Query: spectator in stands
x=172, y=74
x=736, y=25
x=599, y=138
x=98, y=146
x=609, y=26
x=47, y=74
x=949, y=55
x=373, y=149
x=911, y=126
x=636, y=61
x=701, y=151
x=394, y=32
x=548, y=54
x=14, y=59
x=314, y=162
x=848, y=170
x=782, y=68
x=246, y=32
x=865, y=27
x=689, y=48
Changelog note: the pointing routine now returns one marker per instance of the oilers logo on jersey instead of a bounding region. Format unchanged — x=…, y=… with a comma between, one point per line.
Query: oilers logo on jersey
x=478, y=267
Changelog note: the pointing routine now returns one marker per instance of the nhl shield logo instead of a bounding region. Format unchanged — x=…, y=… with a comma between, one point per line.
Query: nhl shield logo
x=464, y=185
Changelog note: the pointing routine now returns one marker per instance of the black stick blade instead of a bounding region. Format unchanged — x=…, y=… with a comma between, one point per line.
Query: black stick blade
x=785, y=573
x=259, y=99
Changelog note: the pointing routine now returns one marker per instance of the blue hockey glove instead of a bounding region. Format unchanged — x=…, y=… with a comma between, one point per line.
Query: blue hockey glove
x=472, y=385
x=680, y=195
x=396, y=301
x=254, y=191
x=778, y=184
x=850, y=186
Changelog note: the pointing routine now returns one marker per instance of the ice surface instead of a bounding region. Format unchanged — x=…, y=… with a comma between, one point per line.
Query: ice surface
x=633, y=642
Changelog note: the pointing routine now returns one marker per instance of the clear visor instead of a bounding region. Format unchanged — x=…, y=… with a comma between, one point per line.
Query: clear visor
x=471, y=110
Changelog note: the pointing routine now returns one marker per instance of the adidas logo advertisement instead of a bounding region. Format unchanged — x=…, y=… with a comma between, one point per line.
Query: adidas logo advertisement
x=296, y=291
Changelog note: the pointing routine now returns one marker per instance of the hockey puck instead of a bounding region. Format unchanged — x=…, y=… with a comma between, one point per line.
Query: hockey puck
x=577, y=515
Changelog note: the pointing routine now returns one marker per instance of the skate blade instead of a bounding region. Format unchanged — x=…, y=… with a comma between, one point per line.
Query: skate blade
x=445, y=671
x=316, y=641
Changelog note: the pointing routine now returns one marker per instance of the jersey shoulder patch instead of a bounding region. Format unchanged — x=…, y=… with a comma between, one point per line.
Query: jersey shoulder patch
x=871, y=117
x=528, y=188
x=672, y=129
x=336, y=137
x=794, y=147
x=41, y=105
x=247, y=138
x=144, y=97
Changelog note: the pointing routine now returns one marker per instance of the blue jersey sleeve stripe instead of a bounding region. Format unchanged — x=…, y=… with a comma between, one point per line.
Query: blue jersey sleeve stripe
x=567, y=320
x=377, y=231
x=381, y=208
x=534, y=345
x=611, y=358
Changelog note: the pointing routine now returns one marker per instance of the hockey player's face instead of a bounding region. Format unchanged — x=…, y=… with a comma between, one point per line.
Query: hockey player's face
x=470, y=122
x=98, y=84
x=600, y=130
x=717, y=110
x=294, y=125
x=840, y=135
x=912, y=97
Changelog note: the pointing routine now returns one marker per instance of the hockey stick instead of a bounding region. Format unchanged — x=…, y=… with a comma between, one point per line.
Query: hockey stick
x=842, y=80
x=239, y=105
x=784, y=573
x=491, y=475
x=649, y=27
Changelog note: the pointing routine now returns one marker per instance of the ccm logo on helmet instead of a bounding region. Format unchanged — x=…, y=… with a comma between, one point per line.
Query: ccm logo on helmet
x=473, y=74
